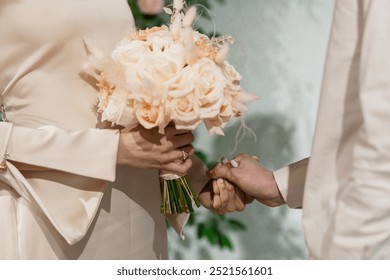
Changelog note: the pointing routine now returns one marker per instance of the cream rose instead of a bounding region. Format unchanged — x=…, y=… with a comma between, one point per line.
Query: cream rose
x=215, y=125
x=226, y=113
x=150, y=116
x=209, y=87
x=185, y=112
x=183, y=105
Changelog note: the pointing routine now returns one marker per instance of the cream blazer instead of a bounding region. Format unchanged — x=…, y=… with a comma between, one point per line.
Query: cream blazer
x=69, y=211
x=346, y=208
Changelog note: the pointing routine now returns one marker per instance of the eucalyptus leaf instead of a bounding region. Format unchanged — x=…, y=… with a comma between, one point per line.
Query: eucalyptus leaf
x=201, y=227
x=211, y=234
x=225, y=242
x=236, y=225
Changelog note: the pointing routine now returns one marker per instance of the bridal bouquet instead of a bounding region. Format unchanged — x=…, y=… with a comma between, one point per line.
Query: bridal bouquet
x=169, y=74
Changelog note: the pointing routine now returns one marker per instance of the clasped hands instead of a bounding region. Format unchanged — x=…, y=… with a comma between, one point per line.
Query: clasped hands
x=232, y=185
x=235, y=183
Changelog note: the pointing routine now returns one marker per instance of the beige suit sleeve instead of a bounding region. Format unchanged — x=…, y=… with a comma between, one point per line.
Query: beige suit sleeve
x=90, y=153
x=360, y=226
x=291, y=182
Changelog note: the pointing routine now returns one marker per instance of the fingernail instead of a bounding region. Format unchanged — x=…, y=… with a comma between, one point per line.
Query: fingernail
x=256, y=158
x=234, y=163
x=221, y=183
x=224, y=160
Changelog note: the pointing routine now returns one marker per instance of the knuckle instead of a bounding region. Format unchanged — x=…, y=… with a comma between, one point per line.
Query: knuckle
x=191, y=137
x=171, y=156
x=191, y=150
x=167, y=146
x=187, y=165
x=240, y=208
x=164, y=158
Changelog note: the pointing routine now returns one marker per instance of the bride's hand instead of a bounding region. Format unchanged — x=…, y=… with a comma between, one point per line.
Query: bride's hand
x=220, y=196
x=146, y=148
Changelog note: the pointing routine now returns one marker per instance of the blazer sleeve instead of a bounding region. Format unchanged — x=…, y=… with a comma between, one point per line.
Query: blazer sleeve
x=90, y=153
x=291, y=182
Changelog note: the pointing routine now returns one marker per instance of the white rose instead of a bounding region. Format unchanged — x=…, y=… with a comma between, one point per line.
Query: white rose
x=155, y=72
x=183, y=104
x=112, y=111
x=209, y=87
x=183, y=84
x=160, y=41
x=118, y=109
x=129, y=52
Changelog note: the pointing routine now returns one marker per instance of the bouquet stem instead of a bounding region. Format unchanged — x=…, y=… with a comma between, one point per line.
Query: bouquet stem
x=176, y=194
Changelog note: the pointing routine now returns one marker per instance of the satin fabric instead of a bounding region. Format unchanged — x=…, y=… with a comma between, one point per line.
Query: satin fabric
x=69, y=211
x=346, y=181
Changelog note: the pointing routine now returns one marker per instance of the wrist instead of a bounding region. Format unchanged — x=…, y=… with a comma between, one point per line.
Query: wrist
x=270, y=194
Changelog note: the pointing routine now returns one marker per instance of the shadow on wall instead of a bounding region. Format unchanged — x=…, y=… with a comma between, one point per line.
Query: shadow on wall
x=271, y=233
x=268, y=237
x=272, y=143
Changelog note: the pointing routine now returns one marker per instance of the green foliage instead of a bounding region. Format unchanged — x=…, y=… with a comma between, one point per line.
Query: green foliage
x=146, y=21
x=216, y=228
x=206, y=161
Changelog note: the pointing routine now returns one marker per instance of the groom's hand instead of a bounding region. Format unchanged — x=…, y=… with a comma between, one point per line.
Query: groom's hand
x=252, y=178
